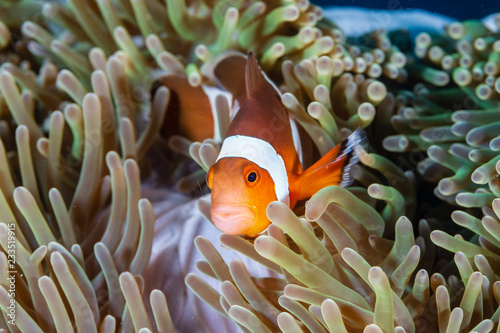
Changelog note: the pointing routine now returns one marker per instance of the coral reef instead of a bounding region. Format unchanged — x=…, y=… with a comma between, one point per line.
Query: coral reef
x=99, y=99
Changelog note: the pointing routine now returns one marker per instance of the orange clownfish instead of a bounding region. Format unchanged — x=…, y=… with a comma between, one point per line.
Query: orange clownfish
x=258, y=162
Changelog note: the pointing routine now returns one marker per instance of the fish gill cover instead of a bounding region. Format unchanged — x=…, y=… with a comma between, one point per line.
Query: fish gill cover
x=100, y=107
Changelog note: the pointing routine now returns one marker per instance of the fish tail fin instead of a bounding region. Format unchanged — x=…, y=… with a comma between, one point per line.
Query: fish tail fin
x=333, y=168
x=254, y=79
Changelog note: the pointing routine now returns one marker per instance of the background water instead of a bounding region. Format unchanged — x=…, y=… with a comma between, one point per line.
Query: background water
x=460, y=10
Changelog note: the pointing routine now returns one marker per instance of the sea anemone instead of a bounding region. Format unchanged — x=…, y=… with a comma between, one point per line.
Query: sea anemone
x=328, y=261
x=457, y=124
x=87, y=255
x=76, y=234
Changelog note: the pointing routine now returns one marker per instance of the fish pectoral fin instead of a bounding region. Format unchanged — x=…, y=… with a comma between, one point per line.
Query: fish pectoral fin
x=333, y=168
x=318, y=176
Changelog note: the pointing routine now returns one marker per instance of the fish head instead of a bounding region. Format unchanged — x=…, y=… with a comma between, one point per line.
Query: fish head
x=241, y=192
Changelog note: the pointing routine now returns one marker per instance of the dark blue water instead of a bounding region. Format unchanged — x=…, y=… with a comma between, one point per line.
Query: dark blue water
x=460, y=10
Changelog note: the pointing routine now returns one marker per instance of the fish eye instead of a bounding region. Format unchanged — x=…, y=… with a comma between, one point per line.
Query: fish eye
x=252, y=177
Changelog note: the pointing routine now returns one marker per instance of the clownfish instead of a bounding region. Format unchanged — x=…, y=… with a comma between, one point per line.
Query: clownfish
x=258, y=162
x=189, y=111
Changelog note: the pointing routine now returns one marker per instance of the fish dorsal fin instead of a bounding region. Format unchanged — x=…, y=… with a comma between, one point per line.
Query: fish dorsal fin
x=254, y=78
x=228, y=71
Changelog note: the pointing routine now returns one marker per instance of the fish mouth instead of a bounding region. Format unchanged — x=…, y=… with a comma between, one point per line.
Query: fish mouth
x=232, y=219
